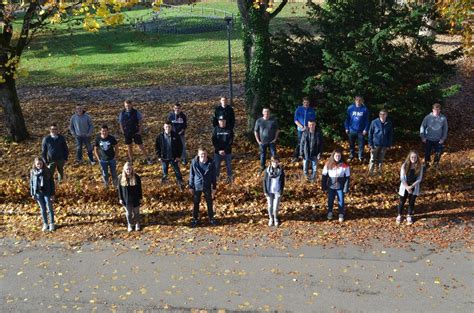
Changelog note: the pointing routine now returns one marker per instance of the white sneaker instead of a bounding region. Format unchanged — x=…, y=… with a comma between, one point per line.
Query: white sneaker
x=137, y=226
x=341, y=218
x=399, y=219
x=409, y=220
x=45, y=227
x=270, y=222
x=330, y=216
x=93, y=163
x=129, y=228
x=277, y=222
x=51, y=227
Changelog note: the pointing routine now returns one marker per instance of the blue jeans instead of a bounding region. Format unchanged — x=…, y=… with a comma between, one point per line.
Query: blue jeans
x=174, y=165
x=361, y=142
x=81, y=141
x=340, y=197
x=263, y=152
x=104, y=165
x=45, y=204
x=433, y=145
x=228, y=163
x=314, y=164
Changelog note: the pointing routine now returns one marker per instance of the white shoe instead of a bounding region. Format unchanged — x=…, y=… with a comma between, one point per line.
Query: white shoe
x=409, y=220
x=51, y=227
x=45, y=227
x=129, y=228
x=399, y=219
x=341, y=218
x=330, y=216
x=277, y=222
x=137, y=226
x=270, y=222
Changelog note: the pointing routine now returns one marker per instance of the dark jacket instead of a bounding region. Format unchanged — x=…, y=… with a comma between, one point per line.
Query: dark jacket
x=222, y=139
x=178, y=121
x=176, y=145
x=54, y=149
x=311, y=148
x=130, y=195
x=130, y=122
x=200, y=180
x=267, y=178
x=380, y=134
x=227, y=113
x=48, y=182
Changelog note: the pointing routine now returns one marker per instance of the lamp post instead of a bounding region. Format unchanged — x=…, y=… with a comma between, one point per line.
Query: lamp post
x=228, y=20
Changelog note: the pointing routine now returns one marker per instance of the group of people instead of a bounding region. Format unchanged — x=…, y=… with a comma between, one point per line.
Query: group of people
x=170, y=148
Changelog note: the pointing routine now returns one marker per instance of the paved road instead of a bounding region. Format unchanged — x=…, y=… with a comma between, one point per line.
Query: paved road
x=128, y=276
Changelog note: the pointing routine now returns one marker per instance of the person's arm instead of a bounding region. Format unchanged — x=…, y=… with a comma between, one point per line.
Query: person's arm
x=96, y=152
x=72, y=129
x=256, y=132
x=32, y=192
x=403, y=177
x=66, y=149
x=418, y=179
x=276, y=136
x=445, y=131
x=214, y=138
x=320, y=144
x=231, y=139
x=120, y=123
x=390, y=134
x=120, y=190
x=179, y=146
x=347, y=175
x=302, y=144
x=366, y=121
x=90, y=126
x=185, y=123
x=282, y=181
x=297, y=122
x=116, y=148
x=232, y=118
x=215, y=121
x=139, y=188
x=51, y=185
x=191, y=177
x=44, y=150
x=264, y=182
x=324, y=179
x=158, y=146
x=371, y=134
x=423, y=128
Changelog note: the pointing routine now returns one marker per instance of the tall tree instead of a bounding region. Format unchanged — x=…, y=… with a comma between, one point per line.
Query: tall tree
x=256, y=16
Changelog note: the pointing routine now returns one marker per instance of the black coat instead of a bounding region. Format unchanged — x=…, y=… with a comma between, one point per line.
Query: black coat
x=176, y=145
x=202, y=180
x=130, y=195
x=310, y=149
x=222, y=139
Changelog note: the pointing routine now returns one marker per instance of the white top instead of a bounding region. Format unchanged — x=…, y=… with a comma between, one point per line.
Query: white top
x=403, y=179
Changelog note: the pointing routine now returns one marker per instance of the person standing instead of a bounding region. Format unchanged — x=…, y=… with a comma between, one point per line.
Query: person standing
x=225, y=111
x=222, y=139
x=130, y=195
x=81, y=129
x=433, y=133
x=411, y=174
x=55, y=151
x=105, y=151
x=266, y=133
x=168, y=148
x=42, y=190
x=202, y=179
x=335, y=181
x=311, y=147
x=357, y=126
x=179, y=122
x=273, y=185
x=303, y=114
x=380, y=139
x=131, y=126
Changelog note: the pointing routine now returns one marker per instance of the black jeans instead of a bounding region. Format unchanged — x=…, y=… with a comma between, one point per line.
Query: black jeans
x=197, y=200
x=411, y=203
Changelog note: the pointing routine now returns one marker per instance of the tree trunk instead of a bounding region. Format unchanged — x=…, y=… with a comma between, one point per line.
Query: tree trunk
x=14, y=121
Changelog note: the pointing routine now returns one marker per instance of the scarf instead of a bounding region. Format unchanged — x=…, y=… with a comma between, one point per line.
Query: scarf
x=274, y=172
x=39, y=176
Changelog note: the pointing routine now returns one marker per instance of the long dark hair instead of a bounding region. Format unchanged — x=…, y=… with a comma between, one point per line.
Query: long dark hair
x=331, y=163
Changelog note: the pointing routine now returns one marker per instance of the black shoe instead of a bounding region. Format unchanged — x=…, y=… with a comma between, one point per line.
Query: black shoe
x=351, y=157
x=213, y=222
x=194, y=223
x=361, y=160
x=184, y=161
x=294, y=160
x=180, y=186
x=164, y=180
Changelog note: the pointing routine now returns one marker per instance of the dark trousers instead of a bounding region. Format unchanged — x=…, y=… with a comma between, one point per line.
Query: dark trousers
x=175, y=166
x=433, y=145
x=263, y=152
x=359, y=137
x=197, y=200
x=411, y=203
x=297, y=149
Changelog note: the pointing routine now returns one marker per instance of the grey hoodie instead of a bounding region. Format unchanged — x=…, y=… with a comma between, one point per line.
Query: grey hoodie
x=434, y=128
x=81, y=125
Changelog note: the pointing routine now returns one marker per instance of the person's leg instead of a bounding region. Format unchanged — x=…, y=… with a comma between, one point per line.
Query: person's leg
x=352, y=140
x=228, y=166
x=88, y=144
x=296, y=153
x=305, y=167
x=128, y=214
x=381, y=157
x=164, y=166
x=113, y=171
x=78, y=148
x=402, y=203
x=183, y=141
x=49, y=206
x=218, y=161
x=273, y=150
x=270, y=208
x=39, y=197
x=263, y=155
x=438, y=149
x=331, y=196
x=130, y=152
x=105, y=171
x=177, y=172
x=340, y=202
x=411, y=204
x=314, y=168
x=276, y=207
x=196, y=200
x=373, y=159
x=361, y=143
x=428, y=148
x=136, y=217
x=210, y=211
x=52, y=168
x=60, y=166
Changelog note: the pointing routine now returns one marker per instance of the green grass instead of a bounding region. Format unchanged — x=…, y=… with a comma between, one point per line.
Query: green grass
x=66, y=55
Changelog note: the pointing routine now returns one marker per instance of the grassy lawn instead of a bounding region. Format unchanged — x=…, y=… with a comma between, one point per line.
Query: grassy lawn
x=66, y=55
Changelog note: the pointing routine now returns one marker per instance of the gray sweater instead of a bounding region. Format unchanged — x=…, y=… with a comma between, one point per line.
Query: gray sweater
x=434, y=128
x=81, y=125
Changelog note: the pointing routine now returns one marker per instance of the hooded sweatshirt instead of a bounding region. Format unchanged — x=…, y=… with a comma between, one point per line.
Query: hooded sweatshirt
x=81, y=125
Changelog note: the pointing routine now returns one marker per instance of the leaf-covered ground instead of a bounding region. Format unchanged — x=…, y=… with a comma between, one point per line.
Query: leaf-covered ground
x=85, y=211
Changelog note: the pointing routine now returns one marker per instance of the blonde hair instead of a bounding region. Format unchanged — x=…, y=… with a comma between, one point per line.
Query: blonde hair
x=407, y=164
x=126, y=180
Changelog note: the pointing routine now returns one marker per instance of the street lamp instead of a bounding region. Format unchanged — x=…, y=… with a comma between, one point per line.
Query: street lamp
x=228, y=20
